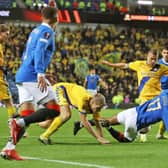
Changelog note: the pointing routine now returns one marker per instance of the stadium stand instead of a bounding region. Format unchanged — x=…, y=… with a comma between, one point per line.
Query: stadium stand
x=92, y=45
x=5, y=3
x=81, y=5
x=112, y=6
x=86, y=45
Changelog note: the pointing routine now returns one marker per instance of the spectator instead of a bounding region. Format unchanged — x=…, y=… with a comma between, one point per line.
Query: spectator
x=117, y=100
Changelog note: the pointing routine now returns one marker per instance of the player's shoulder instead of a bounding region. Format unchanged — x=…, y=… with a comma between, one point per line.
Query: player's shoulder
x=137, y=63
x=163, y=66
x=46, y=30
x=160, y=60
x=1, y=48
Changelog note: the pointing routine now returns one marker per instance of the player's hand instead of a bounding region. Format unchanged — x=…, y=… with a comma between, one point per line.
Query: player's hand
x=104, y=123
x=51, y=78
x=103, y=140
x=42, y=84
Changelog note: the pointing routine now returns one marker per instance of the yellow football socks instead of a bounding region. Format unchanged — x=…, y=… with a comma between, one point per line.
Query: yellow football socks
x=53, y=127
x=161, y=128
x=11, y=111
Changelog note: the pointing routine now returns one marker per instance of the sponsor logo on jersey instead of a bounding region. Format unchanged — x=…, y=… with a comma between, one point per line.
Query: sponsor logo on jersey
x=47, y=35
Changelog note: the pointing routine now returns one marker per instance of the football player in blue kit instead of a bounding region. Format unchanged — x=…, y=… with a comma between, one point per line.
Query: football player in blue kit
x=137, y=118
x=33, y=87
x=142, y=116
x=164, y=61
x=92, y=81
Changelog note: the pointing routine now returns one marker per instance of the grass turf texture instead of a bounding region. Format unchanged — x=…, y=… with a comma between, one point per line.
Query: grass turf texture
x=84, y=149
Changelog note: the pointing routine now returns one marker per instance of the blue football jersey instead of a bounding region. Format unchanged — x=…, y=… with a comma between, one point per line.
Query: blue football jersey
x=161, y=61
x=153, y=111
x=38, y=53
x=92, y=81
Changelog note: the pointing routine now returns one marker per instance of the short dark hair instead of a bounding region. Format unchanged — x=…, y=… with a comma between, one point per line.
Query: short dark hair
x=165, y=47
x=49, y=12
x=91, y=67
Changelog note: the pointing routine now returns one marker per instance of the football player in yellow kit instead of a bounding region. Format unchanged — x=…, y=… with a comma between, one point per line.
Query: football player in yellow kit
x=149, y=73
x=5, y=95
x=68, y=94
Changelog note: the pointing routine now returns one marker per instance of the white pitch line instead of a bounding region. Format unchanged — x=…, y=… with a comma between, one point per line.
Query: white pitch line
x=67, y=162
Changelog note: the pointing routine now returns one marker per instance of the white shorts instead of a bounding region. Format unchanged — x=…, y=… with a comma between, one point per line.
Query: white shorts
x=92, y=91
x=29, y=92
x=129, y=118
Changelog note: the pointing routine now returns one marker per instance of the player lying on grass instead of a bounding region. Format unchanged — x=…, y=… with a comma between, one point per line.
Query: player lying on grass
x=139, y=117
x=67, y=94
x=148, y=73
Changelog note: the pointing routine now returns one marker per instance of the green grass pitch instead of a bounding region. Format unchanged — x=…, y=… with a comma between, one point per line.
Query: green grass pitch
x=82, y=150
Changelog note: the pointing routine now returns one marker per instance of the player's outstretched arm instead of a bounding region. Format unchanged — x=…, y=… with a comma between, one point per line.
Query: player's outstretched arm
x=115, y=65
x=87, y=125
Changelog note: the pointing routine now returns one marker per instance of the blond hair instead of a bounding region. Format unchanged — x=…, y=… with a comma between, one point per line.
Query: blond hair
x=99, y=99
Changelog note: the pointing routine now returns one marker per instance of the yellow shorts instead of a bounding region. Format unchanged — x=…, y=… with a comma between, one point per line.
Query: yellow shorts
x=4, y=90
x=61, y=96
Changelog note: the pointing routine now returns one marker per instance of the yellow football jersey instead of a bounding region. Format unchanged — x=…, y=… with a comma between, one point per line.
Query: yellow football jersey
x=4, y=91
x=75, y=95
x=148, y=78
x=1, y=60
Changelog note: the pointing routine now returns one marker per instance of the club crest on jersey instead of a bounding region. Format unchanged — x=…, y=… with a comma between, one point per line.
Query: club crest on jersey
x=155, y=68
x=47, y=35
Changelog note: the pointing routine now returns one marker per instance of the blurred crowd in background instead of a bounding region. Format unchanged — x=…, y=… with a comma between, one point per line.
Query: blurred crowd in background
x=112, y=6
x=82, y=5
x=81, y=46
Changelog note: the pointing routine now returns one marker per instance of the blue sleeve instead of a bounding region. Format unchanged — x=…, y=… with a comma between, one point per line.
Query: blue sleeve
x=40, y=51
x=160, y=61
x=165, y=109
x=98, y=77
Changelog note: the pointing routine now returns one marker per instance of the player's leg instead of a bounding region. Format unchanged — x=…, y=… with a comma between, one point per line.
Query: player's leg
x=128, y=119
x=119, y=136
x=10, y=107
x=143, y=135
x=162, y=129
x=26, y=110
x=18, y=125
x=78, y=125
x=107, y=122
x=65, y=114
x=45, y=124
x=29, y=95
x=6, y=98
x=26, y=101
x=17, y=129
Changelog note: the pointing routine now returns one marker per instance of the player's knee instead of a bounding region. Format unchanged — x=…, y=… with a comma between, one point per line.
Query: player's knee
x=65, y=116
x=45, y=124
x=26, y=109
x=55, y=107
x=25, y=113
